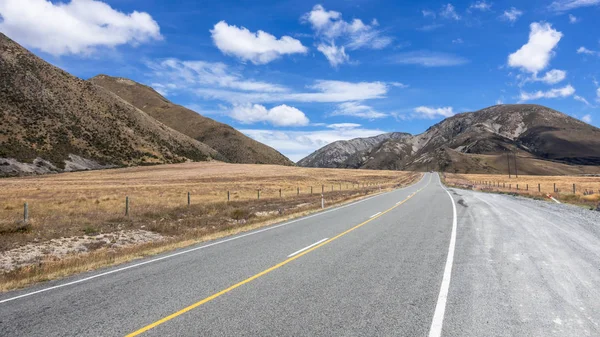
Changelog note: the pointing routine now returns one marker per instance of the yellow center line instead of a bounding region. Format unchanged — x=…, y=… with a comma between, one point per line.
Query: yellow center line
x=266, y=271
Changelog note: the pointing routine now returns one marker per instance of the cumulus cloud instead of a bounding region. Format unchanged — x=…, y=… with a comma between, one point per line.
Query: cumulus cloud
x=183, y=74
x=481, y=5
x=552, y=77
x=535, y=55
x=587, y=118
x=449, y=12
x=432, y=113
x=357, y=109
x=299, y=144
x=329, y=27
x=552, y=93
x=281, y=115
x=511, y=14
x=429, y=59
x=565, y=5
x=334, y=54
x=258, y=48
x=76, y=27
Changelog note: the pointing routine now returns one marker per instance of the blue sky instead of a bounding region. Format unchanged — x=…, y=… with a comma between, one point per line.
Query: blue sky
x=297, y=75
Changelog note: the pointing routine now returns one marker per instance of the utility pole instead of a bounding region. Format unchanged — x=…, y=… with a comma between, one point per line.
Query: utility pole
x=508, y=162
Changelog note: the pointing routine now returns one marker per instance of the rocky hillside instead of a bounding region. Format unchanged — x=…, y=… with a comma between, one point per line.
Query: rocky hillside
x=349, y=154
x=51, y=121
x=229, y=142
x=545, y=141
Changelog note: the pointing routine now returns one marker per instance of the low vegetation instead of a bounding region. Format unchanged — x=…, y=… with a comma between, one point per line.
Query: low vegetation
x=93, y=203
x=580, y=190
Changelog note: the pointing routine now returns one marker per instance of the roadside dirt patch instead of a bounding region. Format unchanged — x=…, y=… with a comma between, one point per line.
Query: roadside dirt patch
x=57, y=249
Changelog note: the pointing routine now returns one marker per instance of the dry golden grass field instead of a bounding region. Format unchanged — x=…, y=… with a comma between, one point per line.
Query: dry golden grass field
x=88, y=205
x=587, y=189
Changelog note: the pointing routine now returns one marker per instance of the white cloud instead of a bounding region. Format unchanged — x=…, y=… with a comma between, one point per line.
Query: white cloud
x=481, y=5
x=281, y=115
x=329, y=26
x=76, y=27
x=258, y=48
x=535, y=55
x=584, y=50
x=335, y=55
x=182, y=74
x=428, y=13
x=324, y=91
x=511, y=14
x=432, y=113
x=573, y=18
x=343, y=126
x=449, y=12
x=299, y=144
x=458, y=41
x=598, y=94
x=552, y=93
x=565, y=5
x=552, y=77
x=581, y=99
x=356, y=109
x=429, y=59
x=428, y=28
x=398, y=85
x=587, y=118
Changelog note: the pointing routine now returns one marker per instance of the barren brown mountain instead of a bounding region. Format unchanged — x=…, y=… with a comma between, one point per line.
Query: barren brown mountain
x=543, y=140
x=51, y=121
x=232, y=144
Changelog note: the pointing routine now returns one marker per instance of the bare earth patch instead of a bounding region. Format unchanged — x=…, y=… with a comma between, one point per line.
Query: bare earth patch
x=57, y=249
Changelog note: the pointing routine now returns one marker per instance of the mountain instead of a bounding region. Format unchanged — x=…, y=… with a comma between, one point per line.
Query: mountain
x=545, y=142
x=350, y=153
x=229, y=142
x=51, y=121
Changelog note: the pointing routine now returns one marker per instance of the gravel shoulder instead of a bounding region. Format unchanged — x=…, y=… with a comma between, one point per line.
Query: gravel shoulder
x=524, y=267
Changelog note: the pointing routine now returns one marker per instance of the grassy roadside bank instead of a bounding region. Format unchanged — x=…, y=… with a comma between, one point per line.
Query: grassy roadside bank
x=587, y=189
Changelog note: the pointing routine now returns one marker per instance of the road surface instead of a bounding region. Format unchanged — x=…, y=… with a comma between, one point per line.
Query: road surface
x=418, y=261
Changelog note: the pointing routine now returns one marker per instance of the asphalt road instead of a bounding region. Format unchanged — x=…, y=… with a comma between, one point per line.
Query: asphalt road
x=413, y=262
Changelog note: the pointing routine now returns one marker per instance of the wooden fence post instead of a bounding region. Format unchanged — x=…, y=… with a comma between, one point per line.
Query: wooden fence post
x=280, y=192
x=257, y=194
x=573, y=188
x=127, y=206
x=539, y=188
x=227, y=195
x=554, y=187
x=25, y=213
x=189, y=200
x=298, y=191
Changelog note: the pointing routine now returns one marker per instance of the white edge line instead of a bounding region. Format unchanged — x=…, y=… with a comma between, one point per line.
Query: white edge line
x=374, y=215
x=438, y=317
x=307, y=247
x=197, y=248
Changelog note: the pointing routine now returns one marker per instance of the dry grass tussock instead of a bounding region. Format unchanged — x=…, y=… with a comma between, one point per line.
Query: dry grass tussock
x=88, y=203
x=587, y=189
